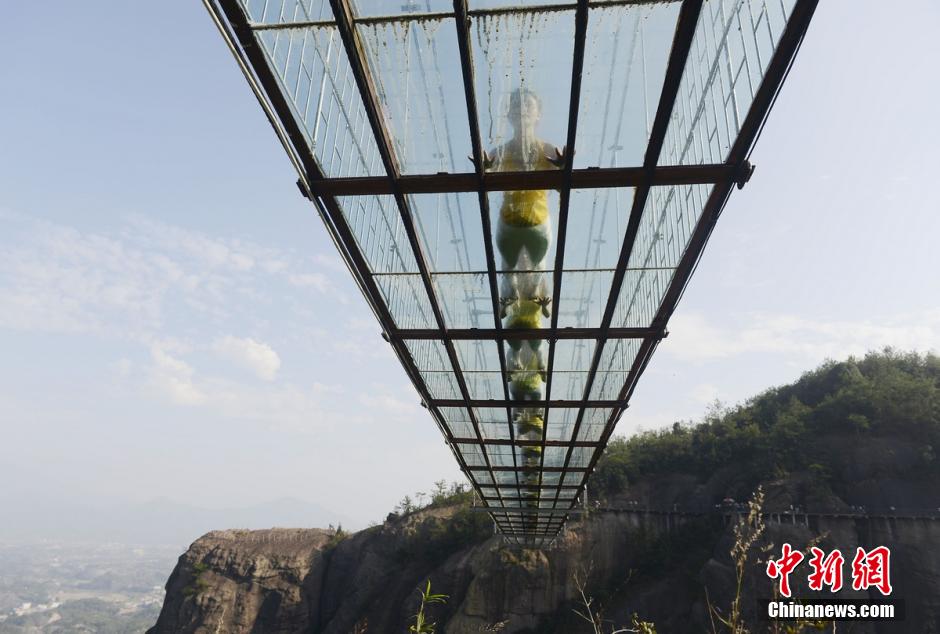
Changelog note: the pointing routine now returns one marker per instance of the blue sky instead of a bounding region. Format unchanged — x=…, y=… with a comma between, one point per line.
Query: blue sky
x=175, y=322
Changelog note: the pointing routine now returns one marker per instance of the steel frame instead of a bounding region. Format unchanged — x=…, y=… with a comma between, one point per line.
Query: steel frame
x=239, y=34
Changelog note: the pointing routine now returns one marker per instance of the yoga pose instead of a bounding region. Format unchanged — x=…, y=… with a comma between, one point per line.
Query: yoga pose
x=524, y=297
x=524, y=221
x=523, y=237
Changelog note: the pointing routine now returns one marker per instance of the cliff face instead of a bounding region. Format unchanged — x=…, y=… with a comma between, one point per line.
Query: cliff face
x=859, y=434
x=246, y=581
x=656, y=565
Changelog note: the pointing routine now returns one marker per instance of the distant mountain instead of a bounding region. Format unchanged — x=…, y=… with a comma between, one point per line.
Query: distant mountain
x=159, y=521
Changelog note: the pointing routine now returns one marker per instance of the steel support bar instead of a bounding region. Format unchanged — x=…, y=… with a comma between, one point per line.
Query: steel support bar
x=544, y=469
x=678, y=56
x=509, y=181
x=551, y=334
x=528, y=443
x=574, y=103
x=456, y=402
x=355, y=52
x=569, y=487
x=509, y=512
x=462, y=24
x=440, y=15
x=777, y=70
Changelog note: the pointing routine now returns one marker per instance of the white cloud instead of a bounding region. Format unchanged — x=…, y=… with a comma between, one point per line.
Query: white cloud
x=255, y=356
x=172, y=378
x=693, y=338
x=143, y=281
x=319, y=281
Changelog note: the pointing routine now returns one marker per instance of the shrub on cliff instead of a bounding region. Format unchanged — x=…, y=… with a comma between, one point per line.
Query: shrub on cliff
x=886, y=395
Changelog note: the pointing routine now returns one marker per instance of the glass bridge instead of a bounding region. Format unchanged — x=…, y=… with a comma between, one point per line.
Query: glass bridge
x=522, y=190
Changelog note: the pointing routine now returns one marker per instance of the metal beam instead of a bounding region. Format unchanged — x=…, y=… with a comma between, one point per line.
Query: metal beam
x=777, y=70
x=449, y=402
x=323, y=191
x=544, y=469
x=594, y=177
x=355, y=53
x=574, y=102
x=440, y=15
x=678, y=56
x=528, y=443
x=489, y=334
x=462, y=23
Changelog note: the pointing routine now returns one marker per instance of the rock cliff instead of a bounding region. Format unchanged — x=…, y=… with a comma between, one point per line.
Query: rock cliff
x=654, y=564
x=846, y=457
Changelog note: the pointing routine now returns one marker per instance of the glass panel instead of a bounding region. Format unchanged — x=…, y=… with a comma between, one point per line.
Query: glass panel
x=499, y=4
x=523, y=85
x=313, y=70
x=284, y=11
x=555, y=456
x=441, y=384
x=415, y=66
x=733, y=44
x=580, y=457
x=573, y=478
x=482, y=477
x=472, y=454
x=460, y=429
x=450, y=231
x=477, y=355
x=407, y=301
x=561, y=422
x=598, y=222
x=667, y=224
x=484, y=385
x=458, y=420
x=491, y=414
x=574, y=354
x=429, y=354
x=584, y=298
x=613, y=368
x=592, y=426
x=568, y=384
x=625, y=58
x=464, y=299
x=435, y=368
x=640, y=296
x=380, y=233
x=398, y=7
x=500, y=455
x=569, y=374
x=495, y=430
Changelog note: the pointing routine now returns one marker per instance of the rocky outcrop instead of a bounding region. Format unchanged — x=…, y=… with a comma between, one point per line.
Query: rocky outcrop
x=246, y=581
x=655, y=565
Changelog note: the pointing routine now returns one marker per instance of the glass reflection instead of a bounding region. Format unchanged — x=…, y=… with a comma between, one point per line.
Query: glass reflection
x=523, y=237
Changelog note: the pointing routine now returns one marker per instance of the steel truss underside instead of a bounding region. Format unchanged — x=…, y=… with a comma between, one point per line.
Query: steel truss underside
x=562, y=485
